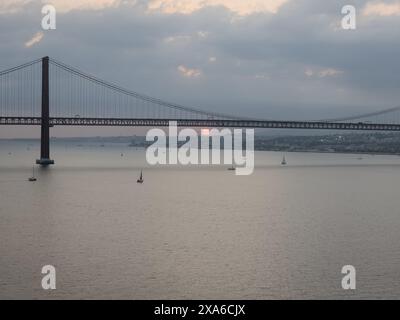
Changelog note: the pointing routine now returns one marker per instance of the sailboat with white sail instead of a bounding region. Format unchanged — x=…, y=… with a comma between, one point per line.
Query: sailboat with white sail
x=284, y=162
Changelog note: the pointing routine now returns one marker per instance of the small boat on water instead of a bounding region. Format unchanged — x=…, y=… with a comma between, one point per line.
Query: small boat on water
x=140, y=180
x=284, y=163
x=32, y=179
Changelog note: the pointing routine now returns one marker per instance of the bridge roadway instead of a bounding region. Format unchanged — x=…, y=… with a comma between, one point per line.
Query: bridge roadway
x=210, y=123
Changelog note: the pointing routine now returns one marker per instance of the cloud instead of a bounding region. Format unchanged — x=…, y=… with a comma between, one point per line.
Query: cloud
x=178, y=38
x=322, y=73
x=182, y=38
x=330, y=72
x=62, y=6
x=379, y=8
x=203, y=34
x=12, y=6
x=212, y=59
x=239, y=7
x=155, y=53
x=262, y=76
x=188, y=72
x=68, y=5
x=34, y=40
x=309, y=73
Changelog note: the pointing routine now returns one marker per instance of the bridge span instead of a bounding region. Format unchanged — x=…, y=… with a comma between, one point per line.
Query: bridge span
x=202, y=123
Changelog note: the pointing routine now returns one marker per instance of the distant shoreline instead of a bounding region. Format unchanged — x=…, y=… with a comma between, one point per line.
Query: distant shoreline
x=372, y=143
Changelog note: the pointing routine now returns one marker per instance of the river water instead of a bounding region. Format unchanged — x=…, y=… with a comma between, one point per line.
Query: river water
x=197, y=232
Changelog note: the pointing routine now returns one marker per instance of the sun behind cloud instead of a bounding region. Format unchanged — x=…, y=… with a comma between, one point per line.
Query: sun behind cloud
x=189, y=72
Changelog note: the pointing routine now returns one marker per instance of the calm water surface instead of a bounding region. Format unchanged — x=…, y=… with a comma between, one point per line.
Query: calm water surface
x=197, y=232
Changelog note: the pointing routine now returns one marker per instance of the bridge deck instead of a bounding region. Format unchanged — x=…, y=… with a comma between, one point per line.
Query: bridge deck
x=60, y=121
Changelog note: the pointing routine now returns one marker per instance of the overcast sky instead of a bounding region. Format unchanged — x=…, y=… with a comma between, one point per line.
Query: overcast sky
x=283, y=59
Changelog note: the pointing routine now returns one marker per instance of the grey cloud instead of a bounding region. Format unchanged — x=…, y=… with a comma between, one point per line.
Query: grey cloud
x=261, y=59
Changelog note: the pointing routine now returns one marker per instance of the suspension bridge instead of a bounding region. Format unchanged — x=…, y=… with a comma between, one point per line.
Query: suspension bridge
x=46, y=93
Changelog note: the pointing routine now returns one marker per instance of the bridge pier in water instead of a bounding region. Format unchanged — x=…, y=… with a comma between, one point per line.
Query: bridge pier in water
x=45, y=122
